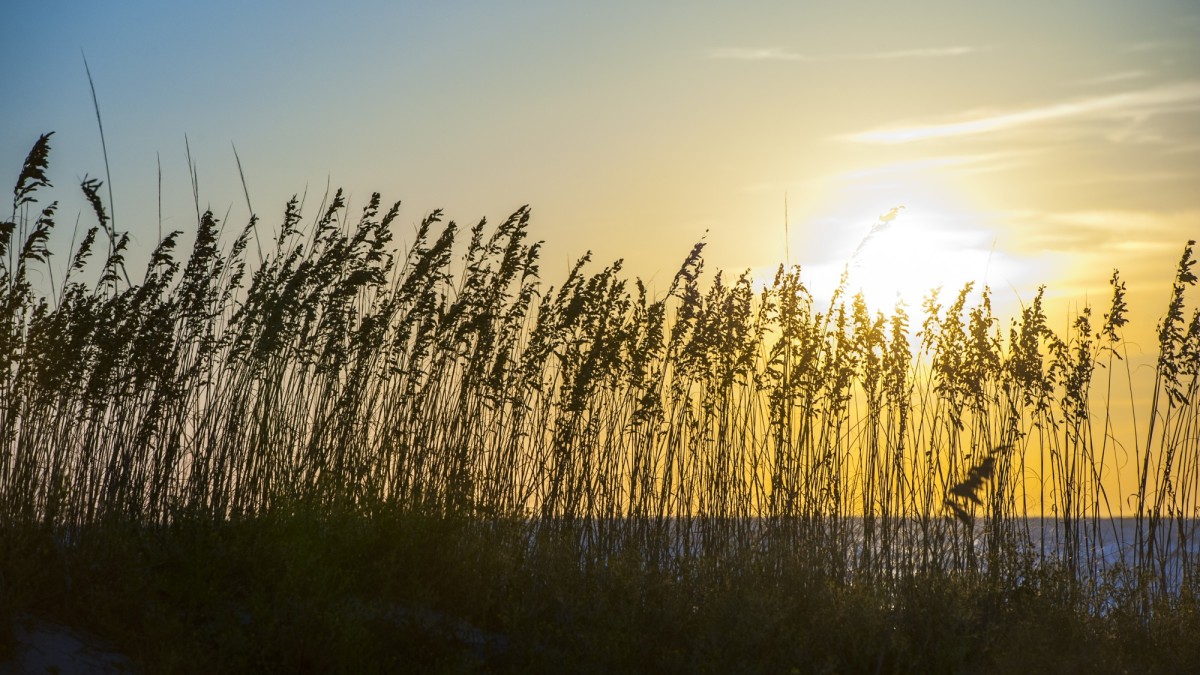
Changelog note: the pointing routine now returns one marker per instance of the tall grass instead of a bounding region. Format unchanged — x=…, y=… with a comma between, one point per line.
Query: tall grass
x=722, y=421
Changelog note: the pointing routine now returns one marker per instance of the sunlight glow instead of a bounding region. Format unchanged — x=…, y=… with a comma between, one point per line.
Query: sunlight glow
x=905, y=255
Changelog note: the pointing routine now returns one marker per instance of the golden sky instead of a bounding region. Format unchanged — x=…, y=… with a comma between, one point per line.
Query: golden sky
x=1028, y=144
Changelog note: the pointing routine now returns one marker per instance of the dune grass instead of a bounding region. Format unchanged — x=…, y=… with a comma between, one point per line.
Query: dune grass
x=327, y=452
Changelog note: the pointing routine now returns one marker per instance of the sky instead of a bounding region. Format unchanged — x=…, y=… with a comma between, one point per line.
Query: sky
x=1027, y=142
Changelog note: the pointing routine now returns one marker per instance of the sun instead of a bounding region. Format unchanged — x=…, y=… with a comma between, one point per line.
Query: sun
x=912, y=254
x=909, y=252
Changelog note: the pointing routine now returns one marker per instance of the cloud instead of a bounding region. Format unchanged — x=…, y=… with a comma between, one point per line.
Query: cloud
x=761, y=54
x=1123, y=76
x=977, y=162
x=1081, y=248
x=1099, y=231
x=1184, y=149
x=1140, y=177
x=779, y=54
x=1176, y=97
x=1152, y=46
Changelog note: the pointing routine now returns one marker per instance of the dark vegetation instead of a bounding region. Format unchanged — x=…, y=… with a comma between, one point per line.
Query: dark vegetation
x=323, y=453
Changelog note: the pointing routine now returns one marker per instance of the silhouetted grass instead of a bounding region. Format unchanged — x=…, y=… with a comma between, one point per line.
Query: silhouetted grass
x=344, y=456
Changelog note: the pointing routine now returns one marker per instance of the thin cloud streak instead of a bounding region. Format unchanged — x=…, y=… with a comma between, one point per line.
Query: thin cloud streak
x=1152, y=46
x=1040, y=231
x=1123, y=76
x=1184, y=96
x=779, y=54
x=978, y=161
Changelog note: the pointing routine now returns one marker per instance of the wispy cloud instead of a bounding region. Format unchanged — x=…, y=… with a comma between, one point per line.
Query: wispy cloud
x=1177, y=97
x=1094, y=230
x=1184, y=149
x=1123, y=76
x=780, y=54
x=1140, y=177
x=1152, y=46
x=985, y=161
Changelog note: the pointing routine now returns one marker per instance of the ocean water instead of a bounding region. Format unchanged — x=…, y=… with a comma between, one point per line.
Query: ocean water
x=1116, y=551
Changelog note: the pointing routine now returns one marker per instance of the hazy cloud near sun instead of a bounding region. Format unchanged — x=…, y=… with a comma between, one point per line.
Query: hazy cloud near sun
x=1099, y=231
x=1084, y=247
x=780, y=54
x=1179, y=97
